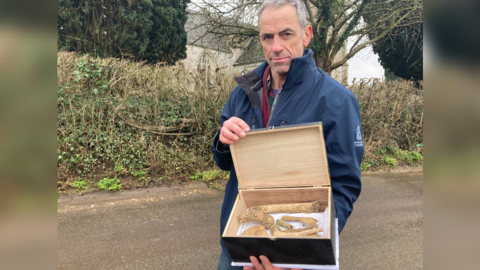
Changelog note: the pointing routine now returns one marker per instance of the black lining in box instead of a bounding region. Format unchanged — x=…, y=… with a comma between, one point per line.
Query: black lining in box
x=282, y=250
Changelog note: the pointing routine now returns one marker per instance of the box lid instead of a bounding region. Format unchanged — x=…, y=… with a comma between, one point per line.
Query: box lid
x=282, y=157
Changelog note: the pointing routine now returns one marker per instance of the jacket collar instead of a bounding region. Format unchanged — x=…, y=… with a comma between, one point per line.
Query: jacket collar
x=301, y=68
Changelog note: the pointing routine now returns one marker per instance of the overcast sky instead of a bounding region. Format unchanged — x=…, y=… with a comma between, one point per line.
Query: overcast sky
x=364, y=65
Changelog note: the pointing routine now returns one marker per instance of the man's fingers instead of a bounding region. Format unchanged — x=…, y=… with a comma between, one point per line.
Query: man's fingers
x=256, y=264
x=225, y=140
x=240, y=123
x=227, y=137
x=266, y=262
x=234, y=127
x=264, y=259
x=267, y=265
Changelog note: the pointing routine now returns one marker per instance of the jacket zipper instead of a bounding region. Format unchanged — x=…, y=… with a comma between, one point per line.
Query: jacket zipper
x=275, y=101
x=253, y=123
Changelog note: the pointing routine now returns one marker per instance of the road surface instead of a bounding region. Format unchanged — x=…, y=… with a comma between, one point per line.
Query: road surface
x=178, y=227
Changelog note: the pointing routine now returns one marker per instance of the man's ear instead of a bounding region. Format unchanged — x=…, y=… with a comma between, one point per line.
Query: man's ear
x=307, y=36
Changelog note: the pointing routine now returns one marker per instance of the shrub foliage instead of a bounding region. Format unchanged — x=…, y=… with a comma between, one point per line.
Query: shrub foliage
x=391, y=112
x=145, y=30
x=117, y=113
x=116, y=117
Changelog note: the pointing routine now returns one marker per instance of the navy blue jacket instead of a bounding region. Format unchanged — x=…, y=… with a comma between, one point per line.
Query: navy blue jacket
x=308, y=95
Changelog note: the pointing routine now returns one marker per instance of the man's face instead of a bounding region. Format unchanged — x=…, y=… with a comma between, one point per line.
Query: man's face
x=282, y=37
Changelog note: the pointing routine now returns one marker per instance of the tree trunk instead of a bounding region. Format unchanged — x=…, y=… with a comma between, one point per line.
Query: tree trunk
x=320, y=61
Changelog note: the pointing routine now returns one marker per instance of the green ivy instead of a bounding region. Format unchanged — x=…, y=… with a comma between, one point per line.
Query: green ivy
x=112, y=184
x=94, y=141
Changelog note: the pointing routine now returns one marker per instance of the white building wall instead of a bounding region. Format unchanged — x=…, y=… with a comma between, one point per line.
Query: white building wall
x=194, y=53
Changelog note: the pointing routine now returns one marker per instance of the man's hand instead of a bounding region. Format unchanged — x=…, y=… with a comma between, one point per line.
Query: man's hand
x=267, y=265
x=233, y=129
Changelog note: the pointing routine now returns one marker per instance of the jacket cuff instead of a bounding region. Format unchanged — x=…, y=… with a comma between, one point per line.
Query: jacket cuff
x=223, y=159
x=218, y=146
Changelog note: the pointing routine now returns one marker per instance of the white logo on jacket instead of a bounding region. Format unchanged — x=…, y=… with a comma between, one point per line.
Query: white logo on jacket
x=358, y=141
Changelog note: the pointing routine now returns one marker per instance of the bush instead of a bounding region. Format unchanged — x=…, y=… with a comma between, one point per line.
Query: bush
x=112, y=184
x=117, y=118
x=364, y=166
x=151, y=30
x=392, y=114
x=390, y=161
x=211, y=175
x=392, y=119
x=120, y=116
x=196, y=177
x=415, y=156
x=408, y=156
x=79, y=185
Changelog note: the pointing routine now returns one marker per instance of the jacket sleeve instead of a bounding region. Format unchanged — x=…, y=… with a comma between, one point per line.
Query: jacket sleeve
x=224, y=159
x=345, y=152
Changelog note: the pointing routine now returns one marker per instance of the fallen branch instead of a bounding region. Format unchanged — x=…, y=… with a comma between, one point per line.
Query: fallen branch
x=162, y=130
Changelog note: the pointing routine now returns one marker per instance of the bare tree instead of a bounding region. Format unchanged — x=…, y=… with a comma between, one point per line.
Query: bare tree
x=333, y=22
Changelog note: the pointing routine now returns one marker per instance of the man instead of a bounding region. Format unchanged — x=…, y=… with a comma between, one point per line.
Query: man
x=289, y=89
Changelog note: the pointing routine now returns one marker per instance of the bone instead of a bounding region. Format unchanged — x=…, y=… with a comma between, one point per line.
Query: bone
x=256, y=230
x=305, y=220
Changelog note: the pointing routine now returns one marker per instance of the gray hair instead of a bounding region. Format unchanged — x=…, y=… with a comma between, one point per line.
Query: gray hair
x=297, y=4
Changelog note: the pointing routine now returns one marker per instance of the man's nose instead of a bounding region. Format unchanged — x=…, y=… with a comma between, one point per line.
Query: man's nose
x=277, y=45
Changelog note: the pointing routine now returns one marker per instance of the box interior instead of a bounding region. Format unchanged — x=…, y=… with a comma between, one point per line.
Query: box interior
x=256, y=197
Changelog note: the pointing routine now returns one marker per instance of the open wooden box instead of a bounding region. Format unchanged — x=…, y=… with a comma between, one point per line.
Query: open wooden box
x=282, y=165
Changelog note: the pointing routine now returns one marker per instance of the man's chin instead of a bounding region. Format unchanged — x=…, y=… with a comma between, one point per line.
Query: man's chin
x=280, y=69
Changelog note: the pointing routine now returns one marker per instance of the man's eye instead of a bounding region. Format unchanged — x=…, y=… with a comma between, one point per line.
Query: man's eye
x=267, y=37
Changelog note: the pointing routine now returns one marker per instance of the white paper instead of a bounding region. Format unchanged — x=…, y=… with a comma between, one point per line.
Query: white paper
x=323, y=222
x=322, y=219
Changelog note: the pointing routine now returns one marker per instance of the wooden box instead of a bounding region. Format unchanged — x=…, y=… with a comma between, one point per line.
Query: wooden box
x=282, y=165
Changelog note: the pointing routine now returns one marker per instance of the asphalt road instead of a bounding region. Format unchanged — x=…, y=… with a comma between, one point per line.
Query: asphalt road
x=178, y=227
